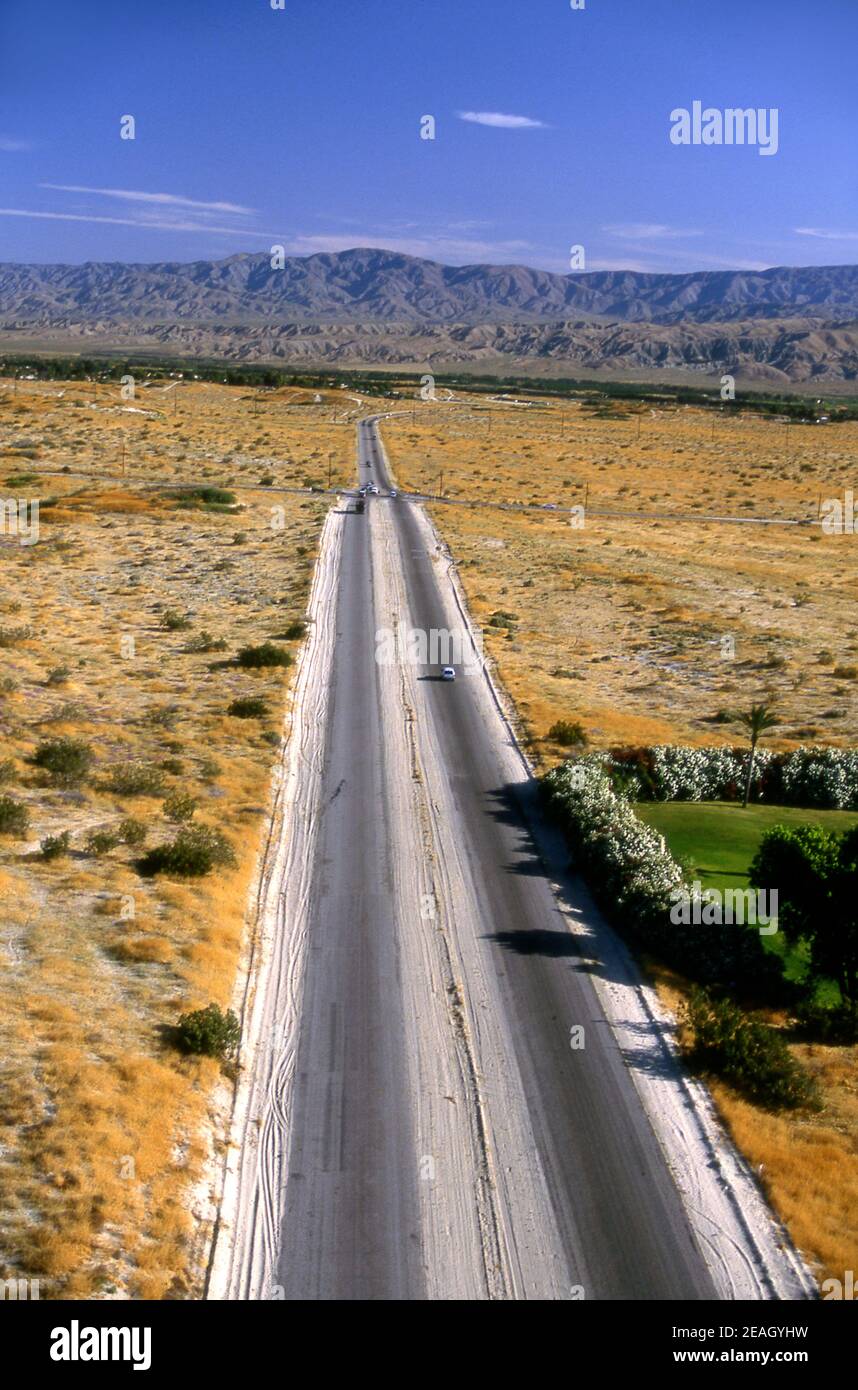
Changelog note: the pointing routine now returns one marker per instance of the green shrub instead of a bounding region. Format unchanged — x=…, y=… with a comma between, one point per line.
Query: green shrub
x=180, y=807
x=265, y=655
x=14, y=817
x=132, y=832
x=67, y=760
x=567, y=733
x=209, y=1032
x=58, y=676
x=251, y=707
x=8, y=771
x=56, y=846
x=136, y=779
x=100, y=842
x=174, y=621
x=204, y=642
x=195, y=851
x=206, y=496
x=747, y=1053
x=295, y=630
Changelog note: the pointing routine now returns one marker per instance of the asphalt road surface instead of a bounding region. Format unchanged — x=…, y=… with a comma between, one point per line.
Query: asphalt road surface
x=351, y=1224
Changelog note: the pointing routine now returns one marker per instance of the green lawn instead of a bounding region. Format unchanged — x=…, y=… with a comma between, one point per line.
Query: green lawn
x=715, y=841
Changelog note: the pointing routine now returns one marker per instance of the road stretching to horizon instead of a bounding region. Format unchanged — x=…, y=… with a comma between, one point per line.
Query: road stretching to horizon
x=574, y=1197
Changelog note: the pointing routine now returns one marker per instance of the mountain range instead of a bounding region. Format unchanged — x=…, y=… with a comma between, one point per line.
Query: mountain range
x=382, y=286
x=370, y=305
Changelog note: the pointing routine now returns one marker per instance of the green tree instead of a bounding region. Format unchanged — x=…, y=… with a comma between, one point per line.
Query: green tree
x=815, y=873
x=757, y=721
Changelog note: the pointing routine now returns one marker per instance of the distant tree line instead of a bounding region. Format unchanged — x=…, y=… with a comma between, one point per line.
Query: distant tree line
x=797, y=408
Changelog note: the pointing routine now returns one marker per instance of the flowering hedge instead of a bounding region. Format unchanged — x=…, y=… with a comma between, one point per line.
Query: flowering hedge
x=823, y=777
x=632, y=872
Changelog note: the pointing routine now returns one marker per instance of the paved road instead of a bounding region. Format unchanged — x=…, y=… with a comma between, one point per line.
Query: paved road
x=351, y=1225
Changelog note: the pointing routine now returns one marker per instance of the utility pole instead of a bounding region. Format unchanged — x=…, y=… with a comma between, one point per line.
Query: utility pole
x=330, y=469
x=123, y=455
x=441, y=483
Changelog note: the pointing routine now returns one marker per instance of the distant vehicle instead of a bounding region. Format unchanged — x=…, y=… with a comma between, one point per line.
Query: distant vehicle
x=373, y=489
x=448, y=673
x=393, y=492
x=549, y=506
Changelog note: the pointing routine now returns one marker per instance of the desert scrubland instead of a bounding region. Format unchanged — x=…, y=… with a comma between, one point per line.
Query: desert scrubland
x=648, y=631
x=119, y=633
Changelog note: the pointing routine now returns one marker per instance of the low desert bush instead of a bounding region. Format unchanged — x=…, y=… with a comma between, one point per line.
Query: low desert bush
x=568, y=733
x=205, y=642
x=174, y=621
x=132, y=832
x=14, y=817
x=267, y=654
x=747, y=1053
x=196, y=851
x=100, y=842
x=67, y=760
x=180, y=808
x=136, y=779
x=251, y=707
x=209, y=1032
x=56, y=846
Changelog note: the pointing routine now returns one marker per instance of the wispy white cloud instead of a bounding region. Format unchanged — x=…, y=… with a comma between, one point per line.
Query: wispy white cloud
x=826, y=234
x=8, y=145
x=162, y=199
x=648, y=231
x=501, y=121
x=141, y=223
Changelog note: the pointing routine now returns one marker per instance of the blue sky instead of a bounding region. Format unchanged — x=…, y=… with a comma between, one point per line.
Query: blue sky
x=301, y=127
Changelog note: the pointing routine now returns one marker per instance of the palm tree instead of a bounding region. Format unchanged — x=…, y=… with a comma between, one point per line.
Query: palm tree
x=757, y=721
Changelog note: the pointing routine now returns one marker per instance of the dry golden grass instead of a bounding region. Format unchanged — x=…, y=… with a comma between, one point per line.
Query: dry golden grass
x=804, y=1162
x=808, y=1163
x=102, y=1124
x=622, y=624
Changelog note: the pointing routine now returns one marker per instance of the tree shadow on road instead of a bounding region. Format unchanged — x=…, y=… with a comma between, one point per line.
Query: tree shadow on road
x=537, y=942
